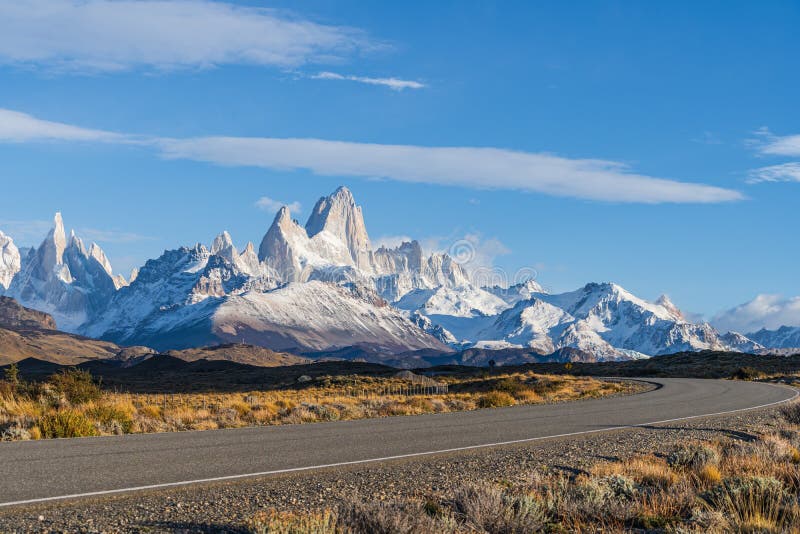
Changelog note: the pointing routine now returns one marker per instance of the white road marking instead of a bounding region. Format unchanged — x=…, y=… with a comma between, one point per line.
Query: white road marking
x=373, y=460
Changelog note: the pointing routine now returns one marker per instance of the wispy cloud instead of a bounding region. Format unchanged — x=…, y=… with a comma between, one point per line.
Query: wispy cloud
x=486, y=168
x=107, y=36
x=21, y=127
x=770, y=144
x=395, y=84
x=785, y=172
x=272, y=206
x=764, y=311
x=474, y=167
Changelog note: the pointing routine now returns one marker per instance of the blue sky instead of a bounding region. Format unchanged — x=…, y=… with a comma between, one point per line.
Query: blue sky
x=648, y=144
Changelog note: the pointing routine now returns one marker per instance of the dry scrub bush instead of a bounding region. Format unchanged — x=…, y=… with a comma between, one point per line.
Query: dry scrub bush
x=275, y=522
x=496, y=399
x=66, y=424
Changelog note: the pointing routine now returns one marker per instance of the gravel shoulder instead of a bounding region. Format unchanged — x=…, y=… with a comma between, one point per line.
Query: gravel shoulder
x=222, y=507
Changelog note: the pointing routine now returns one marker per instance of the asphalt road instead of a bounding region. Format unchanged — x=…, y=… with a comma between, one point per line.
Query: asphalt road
x=37, y=471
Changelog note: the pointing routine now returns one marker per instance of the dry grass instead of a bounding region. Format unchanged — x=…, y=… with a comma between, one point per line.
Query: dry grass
x=71, y=405
x=727, y=486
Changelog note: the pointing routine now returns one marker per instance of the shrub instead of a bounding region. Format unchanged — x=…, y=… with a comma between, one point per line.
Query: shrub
x=693, y=456
x=490, y=509
x=66, y=424
x=756, y=504
x=495, y=399
x=512, y=385
x=76, y=385
x=14, y=432
x=387, y=518
x=114, y=418
x=12, y=374
x=747, y=373
x=274, y=522
x=791, y=413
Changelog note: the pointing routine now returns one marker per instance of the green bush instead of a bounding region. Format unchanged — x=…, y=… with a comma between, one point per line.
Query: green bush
x=76, y=385
x=66, y=424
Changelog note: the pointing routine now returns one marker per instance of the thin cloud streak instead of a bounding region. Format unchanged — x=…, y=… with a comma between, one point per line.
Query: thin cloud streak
x=785, y=172
x=20, y=127
x=775, y=145
x=109, y=36
x=483, y=168
x=473, y=167
x=395, y=84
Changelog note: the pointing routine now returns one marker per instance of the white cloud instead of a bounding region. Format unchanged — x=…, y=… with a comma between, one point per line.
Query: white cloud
x=482, y=168
x=788, y=145
x=105, y=35
x=764, y=311
x=486, y=168
x=392, y=83
x=21, y=127
x=785, y=172
x=272, y=206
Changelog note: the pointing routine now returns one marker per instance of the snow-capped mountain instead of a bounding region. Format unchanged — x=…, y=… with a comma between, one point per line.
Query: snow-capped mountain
x=322, y=286
x=9, y=261
x=603, y=319
x=199, y=296
x=65, y=279
x=785, y=337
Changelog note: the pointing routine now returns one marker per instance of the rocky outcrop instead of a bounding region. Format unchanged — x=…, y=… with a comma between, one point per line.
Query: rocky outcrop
x=16, y=317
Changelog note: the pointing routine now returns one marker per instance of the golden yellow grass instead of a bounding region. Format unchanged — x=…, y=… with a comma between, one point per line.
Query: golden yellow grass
x=325, y=399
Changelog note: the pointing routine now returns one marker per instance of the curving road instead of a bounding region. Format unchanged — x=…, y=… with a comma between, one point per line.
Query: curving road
x=38, y=471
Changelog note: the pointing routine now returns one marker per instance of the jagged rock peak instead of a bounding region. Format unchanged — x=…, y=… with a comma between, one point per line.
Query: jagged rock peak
x=222, y=243
x=51, y=251
x=665, y=302
x=10, y=261
x=98, y=255
x=339, y=215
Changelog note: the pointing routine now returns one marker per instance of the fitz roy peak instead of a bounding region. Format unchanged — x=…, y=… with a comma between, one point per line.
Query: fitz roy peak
x=322, y=286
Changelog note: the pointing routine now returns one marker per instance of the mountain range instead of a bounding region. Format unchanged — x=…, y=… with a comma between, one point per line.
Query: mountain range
x=322, y=286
